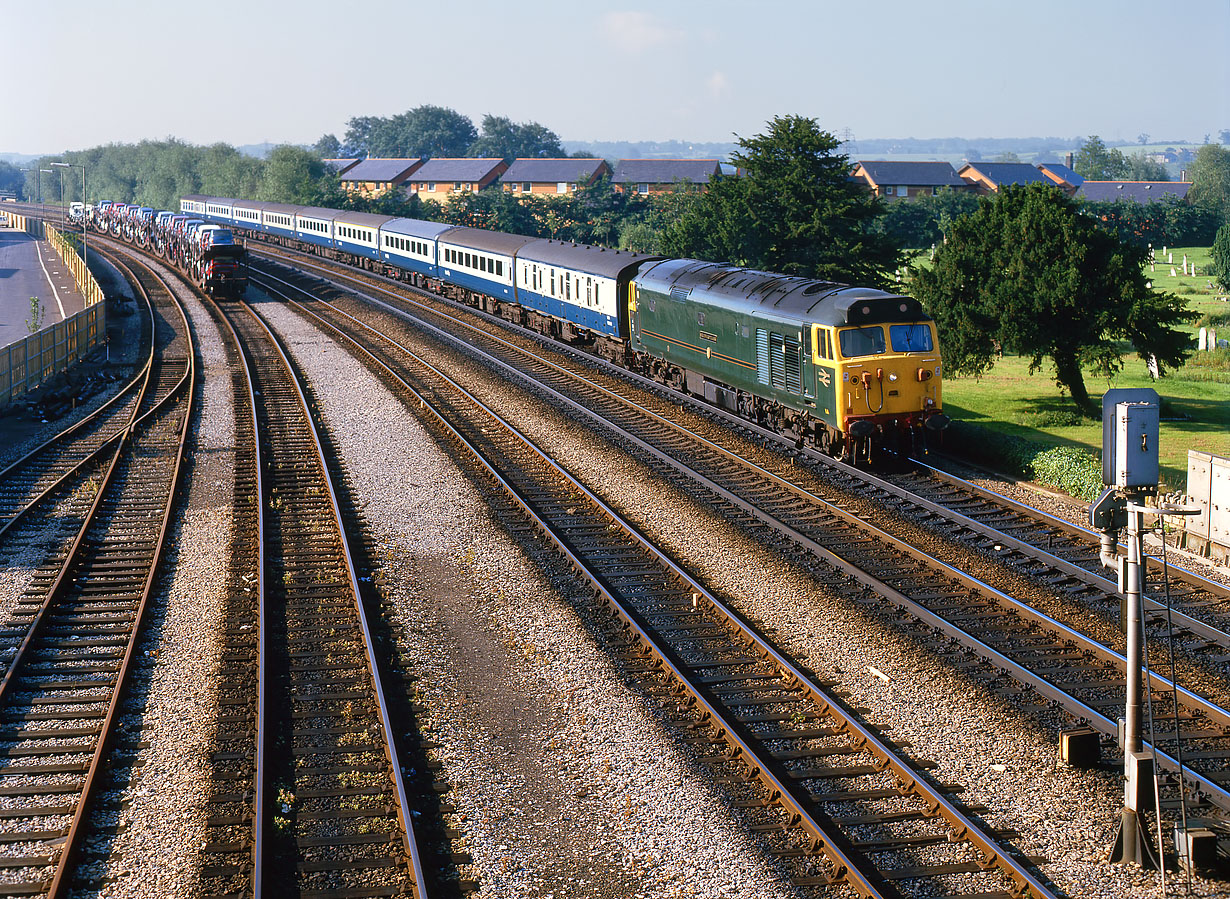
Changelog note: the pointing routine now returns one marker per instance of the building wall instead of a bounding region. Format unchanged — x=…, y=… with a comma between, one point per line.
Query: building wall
x=445, y=189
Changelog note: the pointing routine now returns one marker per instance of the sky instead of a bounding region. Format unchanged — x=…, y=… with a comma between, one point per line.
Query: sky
x=81, y=73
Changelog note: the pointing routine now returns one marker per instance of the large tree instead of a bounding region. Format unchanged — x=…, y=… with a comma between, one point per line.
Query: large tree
x=1210, y=174
x=1029, y=273
x=794, y=211
x=502, y=137
x=431, y=131
x=292, y=175
x=1097, y=162
x=1220, y=255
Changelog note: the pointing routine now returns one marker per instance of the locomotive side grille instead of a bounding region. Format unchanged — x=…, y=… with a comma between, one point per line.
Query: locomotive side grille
x=777, y=360
x=794, y=373
x=762, y=356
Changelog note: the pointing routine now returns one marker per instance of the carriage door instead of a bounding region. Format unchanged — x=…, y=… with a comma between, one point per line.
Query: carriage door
x=807, y=374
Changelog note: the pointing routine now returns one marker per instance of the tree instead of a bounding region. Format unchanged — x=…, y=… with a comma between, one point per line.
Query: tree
x=920, y=223
x=796, y=211
x=1221, y=257
x=1210, y=174
x=11, y=177
x=357, y=142
x=1029, y=272
x=1097, y=162
x=502, y=137
x=430, y=131
x=329, y=147
x=292, y=175
x=1138, y=168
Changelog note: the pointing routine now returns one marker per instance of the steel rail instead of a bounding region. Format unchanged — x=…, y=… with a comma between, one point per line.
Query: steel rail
x=1196, y=626
x=139, y=381
x=1088, y=536
x=866, y=883
x=397, y=778
x=1218, y=794
x=59, y=884
x=261, y=804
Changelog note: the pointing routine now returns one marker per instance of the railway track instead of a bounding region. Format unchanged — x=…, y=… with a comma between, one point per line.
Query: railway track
x=70, y=642
x=991, y=629
x=309, y=794
x=60, y=464
x=835, y=803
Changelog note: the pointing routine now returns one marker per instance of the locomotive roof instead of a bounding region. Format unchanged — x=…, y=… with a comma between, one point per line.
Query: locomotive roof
x=582, y=257
x=488, y=241
x=788, y=296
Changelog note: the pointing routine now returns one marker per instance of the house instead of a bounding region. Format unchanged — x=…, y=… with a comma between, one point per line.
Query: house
x=373, y=177
x=552, y=176
x=439, y=179
x=341, y=166
x=989, y=177
x=1133, y=191
x=1062, y=176
x=657, y=176
x=907, y=180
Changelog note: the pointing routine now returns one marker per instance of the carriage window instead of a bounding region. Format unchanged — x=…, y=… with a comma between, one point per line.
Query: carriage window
x=861, y=341
x=910, y=338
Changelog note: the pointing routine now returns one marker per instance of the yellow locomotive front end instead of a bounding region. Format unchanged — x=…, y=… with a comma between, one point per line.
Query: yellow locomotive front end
x=885, y=377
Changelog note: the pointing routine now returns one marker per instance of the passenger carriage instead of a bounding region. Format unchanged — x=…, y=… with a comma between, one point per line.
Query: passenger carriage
x=480, y=262
x=358, y=233
x=314, y=225
x=583, y=287
x=410, y=244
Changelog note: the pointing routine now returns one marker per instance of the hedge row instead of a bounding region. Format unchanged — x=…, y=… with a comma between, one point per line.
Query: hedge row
x=1071, y=470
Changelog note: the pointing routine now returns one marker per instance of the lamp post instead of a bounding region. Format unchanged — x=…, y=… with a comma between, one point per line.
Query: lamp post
x=42, y=206
x=85, y=249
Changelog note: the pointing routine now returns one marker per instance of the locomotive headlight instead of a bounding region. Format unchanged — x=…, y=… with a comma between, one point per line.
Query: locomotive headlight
x=892, y=376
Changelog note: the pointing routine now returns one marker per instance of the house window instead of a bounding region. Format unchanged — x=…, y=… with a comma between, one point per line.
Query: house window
x=902, y=190
x=561, y=187
x=431, y=186
x=642, y=188
x=888, y=191
x=456, y=185
x=526, y=187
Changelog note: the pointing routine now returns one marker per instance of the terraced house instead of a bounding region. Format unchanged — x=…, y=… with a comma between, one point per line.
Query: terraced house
x=439, y=179
x=373, y=177
x=552, y=176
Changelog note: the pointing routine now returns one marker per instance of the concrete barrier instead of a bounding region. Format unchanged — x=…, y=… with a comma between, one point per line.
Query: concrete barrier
x=1208, y=486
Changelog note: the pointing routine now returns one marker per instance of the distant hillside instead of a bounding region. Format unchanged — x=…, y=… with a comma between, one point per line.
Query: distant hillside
x=652, y=149
x=21, y=160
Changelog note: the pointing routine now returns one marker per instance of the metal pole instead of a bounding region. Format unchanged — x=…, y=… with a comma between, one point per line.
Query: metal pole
x=1132, y=744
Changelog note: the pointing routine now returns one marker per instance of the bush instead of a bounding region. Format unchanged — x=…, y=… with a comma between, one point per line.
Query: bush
x=1074, y=471
x=1050, y=418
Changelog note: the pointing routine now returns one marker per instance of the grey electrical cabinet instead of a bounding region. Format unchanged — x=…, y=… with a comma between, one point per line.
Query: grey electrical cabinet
x=1130, y=438
x=1136, y=460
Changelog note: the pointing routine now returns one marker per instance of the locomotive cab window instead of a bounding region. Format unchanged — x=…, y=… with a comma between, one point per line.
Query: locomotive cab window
x=861, y=341
x=910, y=338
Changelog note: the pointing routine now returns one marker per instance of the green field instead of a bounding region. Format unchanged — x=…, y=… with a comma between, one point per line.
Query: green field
x=1195, y=399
